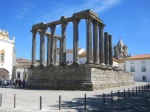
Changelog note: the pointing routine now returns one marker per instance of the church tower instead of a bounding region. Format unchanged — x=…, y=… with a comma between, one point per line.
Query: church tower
x=120, y=50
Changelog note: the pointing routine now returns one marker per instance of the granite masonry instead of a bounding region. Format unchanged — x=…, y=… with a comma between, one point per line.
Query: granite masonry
x=98, y=71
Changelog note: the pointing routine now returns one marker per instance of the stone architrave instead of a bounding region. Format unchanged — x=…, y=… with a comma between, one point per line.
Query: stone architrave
x=106, y=49
x=95, y=42
x=34, y=32
x=110, y=51
x=101, y=45
x=52, y=27
x=75, y=41
x=63, y=43
x=42, y=46
x=48, y=48
x=89, y=40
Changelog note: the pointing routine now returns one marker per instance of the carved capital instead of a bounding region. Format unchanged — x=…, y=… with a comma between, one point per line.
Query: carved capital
x=101, y=25
x=64, y=25
x=53, y=28
x=95, y=22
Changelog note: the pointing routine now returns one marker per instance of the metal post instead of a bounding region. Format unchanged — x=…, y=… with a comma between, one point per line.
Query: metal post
x=111, y=97
x=124, y=94
x=1, y=100
x=14, y=100
x=139, y=89
x=59, y=102
x=136, y=90
x=142, y=89
x=85, y=101
x=132, y=91
x=118, y=95
x=104, y=99
x=40, y=102
x=128, y=92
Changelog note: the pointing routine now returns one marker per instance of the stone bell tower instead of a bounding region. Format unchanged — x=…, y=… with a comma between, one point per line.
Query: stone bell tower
x=120, y=50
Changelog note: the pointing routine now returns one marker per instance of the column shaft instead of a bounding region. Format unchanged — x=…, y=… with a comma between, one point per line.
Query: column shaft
x=55, y=52
x=95, y=42
x=63, y=43
x=75, y=42
x=89, y=41
x=53, y=27
x=110, y=51
x=106, y=49
x=101, y=46
x=42, y=46
x=48, y=49
x=34, y=32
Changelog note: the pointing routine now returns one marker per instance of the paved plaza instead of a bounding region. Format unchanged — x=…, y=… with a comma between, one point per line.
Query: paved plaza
x=73, y=101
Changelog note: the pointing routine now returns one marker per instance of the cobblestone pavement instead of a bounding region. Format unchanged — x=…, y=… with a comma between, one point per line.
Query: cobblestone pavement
x=74, y=101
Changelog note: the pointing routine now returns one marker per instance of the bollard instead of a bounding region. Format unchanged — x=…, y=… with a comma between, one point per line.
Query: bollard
x=136, y=90
x=59, y=102
x=142, y=89
x=14, y=100
x=128, y=92
x=139, y=89
x=118, y=95
x=104, y=99
x=132, y=92
x=40, y=102
x=1, y=100
x=85, y=101
x=111, y=97
x=124, y=94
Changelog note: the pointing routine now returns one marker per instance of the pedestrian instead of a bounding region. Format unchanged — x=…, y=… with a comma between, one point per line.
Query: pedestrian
x=23, y=83
x=5, y=83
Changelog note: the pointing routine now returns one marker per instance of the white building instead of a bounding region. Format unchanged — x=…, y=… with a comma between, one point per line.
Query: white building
x=139, y=65
x=7, y=55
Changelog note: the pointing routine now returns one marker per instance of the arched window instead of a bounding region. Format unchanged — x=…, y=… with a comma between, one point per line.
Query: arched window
x=2, y=56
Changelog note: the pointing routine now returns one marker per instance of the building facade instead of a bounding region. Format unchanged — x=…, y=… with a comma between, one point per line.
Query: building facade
x=7, y=55
x=139, y=66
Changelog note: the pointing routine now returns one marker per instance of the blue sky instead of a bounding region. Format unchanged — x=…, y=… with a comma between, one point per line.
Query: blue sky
x=125, y=19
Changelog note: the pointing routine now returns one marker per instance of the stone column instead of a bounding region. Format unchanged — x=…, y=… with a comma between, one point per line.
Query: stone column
x=55, y=52
x=48, y=48
x=101, y=44
x=42, y=46
x=95, y=42
x=63, y=43
x=34, y=32
x=75, y=41
x=52, y=27
x=106, y=49
x=89, y=41
x=110, y=51
x=60, y=57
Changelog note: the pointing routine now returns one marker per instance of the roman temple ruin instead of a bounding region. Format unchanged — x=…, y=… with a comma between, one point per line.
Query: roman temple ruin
x=97, y=73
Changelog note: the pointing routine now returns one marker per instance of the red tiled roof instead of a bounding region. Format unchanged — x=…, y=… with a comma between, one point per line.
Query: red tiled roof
x=138, y=57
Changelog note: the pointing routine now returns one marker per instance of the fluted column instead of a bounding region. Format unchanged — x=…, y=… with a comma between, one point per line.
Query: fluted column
x=110, y=51
x=55, y=52
x=42, y=46
x=106, y=49
x=75, y=41
x=101, y=44
x=34, y=32
x=52, y=27
x=63, y=43
x=89, y=40
x=95, y=42
x=48, y=48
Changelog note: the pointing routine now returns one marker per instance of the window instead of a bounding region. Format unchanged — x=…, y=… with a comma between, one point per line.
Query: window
x=18, y=75
x=144, y=78
x=143, y=61
x=2, y=57
x=131, y=62
x=132, y=69
x=143, y=68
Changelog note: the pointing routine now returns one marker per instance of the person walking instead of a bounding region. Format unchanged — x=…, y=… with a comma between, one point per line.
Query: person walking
x=5, y=83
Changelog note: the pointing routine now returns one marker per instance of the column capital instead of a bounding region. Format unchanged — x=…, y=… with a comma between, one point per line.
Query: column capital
x=101, y=25
x=52, y=27
x=34, y=31
x=95, y=22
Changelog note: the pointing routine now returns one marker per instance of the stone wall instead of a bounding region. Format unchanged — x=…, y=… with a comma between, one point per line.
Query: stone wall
x=76, y=77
